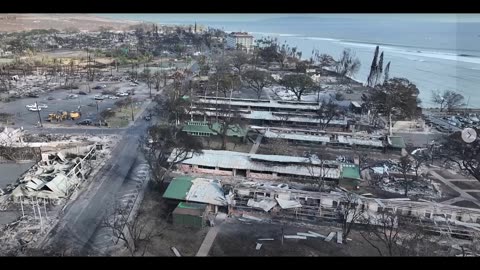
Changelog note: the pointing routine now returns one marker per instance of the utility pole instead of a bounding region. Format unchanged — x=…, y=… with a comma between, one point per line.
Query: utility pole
x=131, y=106
x=21, y=205
x=39, y=117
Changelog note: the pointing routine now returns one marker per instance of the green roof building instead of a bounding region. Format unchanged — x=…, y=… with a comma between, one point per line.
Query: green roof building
x=178, y=188
x=190, y=215
x=396, y=142
x=350, y=176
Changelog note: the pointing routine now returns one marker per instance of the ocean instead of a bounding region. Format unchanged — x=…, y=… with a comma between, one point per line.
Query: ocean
x=436, y=52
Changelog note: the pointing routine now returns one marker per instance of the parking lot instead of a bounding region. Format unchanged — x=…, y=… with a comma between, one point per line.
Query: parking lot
x=62, y=100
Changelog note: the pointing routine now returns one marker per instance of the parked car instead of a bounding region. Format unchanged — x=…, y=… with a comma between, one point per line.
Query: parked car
x=133, y=84
x=97, y=87
x=113, y=97
x=31, y=106
x=50, y=98
x=42, y=106
x=35, y=109
x=122, y=94
x=72, y=96
x=86, y=122
x=147, y=118
x=32, y=95
x=99, y=97
x=82, y=93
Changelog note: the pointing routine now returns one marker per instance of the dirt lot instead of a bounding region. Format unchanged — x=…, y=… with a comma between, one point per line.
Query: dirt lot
x=186, y=240
x=466, y=185
x=237, y=238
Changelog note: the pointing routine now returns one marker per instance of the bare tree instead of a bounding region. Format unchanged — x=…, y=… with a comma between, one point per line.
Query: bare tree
x=257, y=80
x=351, y=211
x=164, y=141
x=147, y=76
x=465, y=155
x=407, y=165
x=133, y=233
x=348, y=64
x=324, y=60
x=396, y=235
x=326, y=112
x=298, y=84
x=238, y=60
x=448, y=99
x=373, y=68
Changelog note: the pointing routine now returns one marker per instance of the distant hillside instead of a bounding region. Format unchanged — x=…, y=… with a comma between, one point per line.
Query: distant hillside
x=26, y=22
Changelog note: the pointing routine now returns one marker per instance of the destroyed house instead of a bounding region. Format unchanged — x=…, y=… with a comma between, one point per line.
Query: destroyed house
x=197, y=190
x=335, y=139
x=268, y=118
x=260, y=105
x=313, y=206
x=256, y=166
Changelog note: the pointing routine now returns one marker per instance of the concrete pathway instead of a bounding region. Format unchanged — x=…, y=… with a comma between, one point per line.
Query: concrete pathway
x=464, y=196
x=257, y=143
x=211, y=235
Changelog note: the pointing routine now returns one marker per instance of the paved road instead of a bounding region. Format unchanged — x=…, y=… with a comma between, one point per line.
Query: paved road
x=82, y=217
x=79, y=227
x=464, y=196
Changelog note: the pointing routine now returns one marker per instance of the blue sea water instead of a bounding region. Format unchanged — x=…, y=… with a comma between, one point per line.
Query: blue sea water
x=435, y=52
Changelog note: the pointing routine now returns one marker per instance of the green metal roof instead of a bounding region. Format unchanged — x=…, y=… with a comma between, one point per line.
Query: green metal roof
x=350, y=171
x=397, y=141
x=198, y=126
x=178, y=188
x=186, y=205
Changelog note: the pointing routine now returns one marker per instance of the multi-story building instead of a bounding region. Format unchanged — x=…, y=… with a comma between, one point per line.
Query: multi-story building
x=240, y=40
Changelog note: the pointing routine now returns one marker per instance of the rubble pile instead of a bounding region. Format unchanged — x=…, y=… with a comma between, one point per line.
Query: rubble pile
x=45, y=137
x=53, y=179
x=391, y=180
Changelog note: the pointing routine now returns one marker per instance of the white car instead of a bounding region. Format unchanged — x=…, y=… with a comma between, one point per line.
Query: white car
x=133, y=84
x=113, y=97
x=122, y=94
x=33, y=106
x=35, y=109
x=99, y=97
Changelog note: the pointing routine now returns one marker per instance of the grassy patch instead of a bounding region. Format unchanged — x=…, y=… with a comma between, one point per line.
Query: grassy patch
x=123, y=116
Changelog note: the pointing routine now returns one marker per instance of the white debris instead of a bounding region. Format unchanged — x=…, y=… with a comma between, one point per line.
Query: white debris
x=265, y=205
x=317, y=234
x=330, y=236
x=339, y=237
x=176, y=252
x=307, y=235
x=258, y=246
x=294, y=237
x=287, y=204
x=251, y=217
